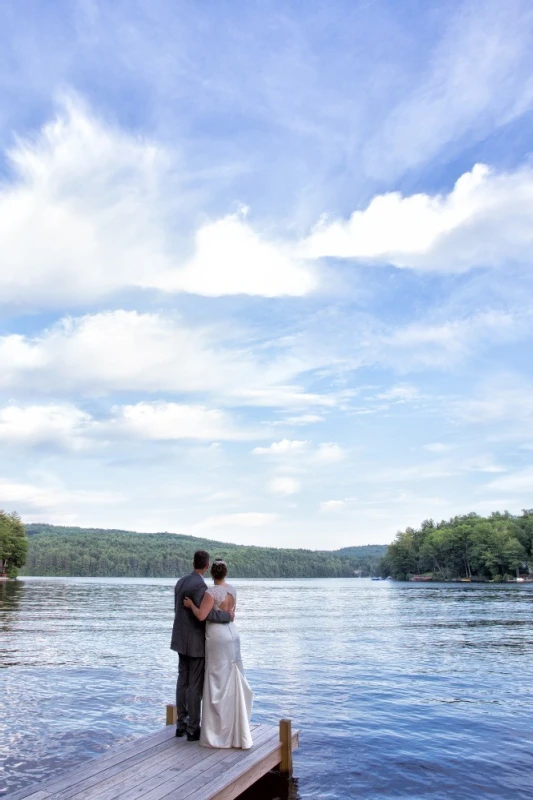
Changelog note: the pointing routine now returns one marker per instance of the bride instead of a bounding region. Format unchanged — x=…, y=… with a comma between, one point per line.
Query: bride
x=227, y=698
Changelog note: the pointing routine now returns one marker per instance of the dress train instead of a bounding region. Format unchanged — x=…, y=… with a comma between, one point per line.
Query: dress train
x=227, y=700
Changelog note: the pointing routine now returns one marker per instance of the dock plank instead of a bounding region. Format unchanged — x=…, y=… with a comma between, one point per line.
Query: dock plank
x=179, y=786
x=115, y=755
x=130, y=782
x=162, y=767
x=229, y=765
x=78, y=783
x=86, y=786
x=152, y=766
x=231, y=784
x=30, y=793
x=177, y=773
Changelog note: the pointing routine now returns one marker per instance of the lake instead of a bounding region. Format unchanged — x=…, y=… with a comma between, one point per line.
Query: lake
x=400, y=690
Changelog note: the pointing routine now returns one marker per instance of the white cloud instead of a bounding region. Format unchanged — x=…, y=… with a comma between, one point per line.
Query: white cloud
x=486, y=220
x=328, y=453
x=300, y=454
x=79, y=221
x=109, y=351
x=131, y=351
x=92, y=210
x=284, y=485
x=63, y=426
x=282, y=448
x=33, y=499
x=231, y=258
x=171, y=421
x=69, y=428
x=332, y=505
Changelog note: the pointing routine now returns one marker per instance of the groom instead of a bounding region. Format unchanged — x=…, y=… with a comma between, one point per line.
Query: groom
x=188, y=640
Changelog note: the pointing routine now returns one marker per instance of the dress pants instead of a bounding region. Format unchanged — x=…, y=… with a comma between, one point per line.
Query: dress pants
x=189, y=692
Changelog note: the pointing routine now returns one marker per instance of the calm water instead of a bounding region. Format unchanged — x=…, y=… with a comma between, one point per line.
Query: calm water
x=400, y=690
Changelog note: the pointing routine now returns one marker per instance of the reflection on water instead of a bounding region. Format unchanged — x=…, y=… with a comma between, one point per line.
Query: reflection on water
x=400, y=690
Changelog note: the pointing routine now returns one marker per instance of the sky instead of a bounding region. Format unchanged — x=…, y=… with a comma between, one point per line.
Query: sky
x=266, y=268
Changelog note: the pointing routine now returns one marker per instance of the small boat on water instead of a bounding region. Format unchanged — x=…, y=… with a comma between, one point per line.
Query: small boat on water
x=376, y=579
x=421, y=578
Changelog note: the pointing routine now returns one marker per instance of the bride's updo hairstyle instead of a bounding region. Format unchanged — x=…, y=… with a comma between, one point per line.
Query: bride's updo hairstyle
x=219, y=569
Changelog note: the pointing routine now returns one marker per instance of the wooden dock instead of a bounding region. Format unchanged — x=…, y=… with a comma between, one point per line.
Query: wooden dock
x=163, y=767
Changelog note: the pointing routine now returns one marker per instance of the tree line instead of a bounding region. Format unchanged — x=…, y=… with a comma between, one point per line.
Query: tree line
x=13, y=544
x=473, y=547
x=62, y=551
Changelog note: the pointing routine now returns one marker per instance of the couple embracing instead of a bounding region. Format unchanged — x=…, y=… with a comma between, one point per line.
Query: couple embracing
x=208, y=644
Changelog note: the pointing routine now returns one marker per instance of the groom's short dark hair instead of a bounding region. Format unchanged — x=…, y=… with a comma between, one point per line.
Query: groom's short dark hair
x=201, y=559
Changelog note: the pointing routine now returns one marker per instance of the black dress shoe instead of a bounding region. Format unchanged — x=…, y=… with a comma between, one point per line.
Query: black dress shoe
x=193, y=737
x=180, y=732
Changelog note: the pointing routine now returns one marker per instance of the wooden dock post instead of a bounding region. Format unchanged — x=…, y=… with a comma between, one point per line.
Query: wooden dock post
x=285, y=735
x=172, y=715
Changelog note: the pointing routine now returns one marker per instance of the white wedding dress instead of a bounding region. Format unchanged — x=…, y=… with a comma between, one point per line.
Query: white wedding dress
x=227, y=700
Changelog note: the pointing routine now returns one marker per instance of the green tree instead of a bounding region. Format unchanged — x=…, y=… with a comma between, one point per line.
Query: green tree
x=13, y=544
x=496, y=551
x=467, y=546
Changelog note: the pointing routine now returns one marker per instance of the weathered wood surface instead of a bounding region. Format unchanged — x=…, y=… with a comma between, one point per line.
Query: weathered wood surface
x=162, y=767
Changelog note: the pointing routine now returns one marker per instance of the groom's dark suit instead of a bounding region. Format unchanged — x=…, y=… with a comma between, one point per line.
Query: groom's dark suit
x=188, y=640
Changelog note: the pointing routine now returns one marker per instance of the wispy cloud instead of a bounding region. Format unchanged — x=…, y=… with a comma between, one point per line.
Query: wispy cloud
x=502, y=406
x=520, y=481
x=476, y=79
x=427, y=344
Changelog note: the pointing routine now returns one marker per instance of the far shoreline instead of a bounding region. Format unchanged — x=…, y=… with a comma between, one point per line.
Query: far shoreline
x=171, y=580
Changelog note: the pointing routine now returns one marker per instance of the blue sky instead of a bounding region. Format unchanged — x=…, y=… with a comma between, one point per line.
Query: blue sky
x=266, y=267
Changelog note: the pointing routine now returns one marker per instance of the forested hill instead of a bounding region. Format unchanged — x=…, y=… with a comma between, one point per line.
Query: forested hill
x=62, y=551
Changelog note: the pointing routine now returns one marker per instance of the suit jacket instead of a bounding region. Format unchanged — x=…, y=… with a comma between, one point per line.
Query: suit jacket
x=188, y=633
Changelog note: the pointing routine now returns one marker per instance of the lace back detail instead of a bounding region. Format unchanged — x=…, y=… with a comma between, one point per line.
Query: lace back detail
x=219, y=595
